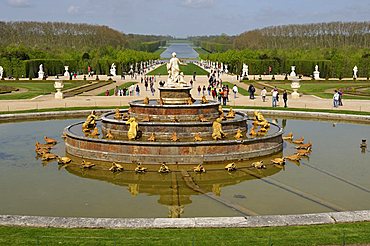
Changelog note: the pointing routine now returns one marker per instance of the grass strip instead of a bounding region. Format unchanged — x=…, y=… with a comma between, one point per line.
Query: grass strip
x=111, y=91
x=60, y=109
x=331, y=234
x=188, y=69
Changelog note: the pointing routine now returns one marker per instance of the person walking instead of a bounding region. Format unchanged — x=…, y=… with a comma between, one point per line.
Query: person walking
x=235, y=90
x=285, y=98
x=274, y=94
x=263, y=94
x=336, y=99
x=224, y=96
x=340, y=102
x=137, y=90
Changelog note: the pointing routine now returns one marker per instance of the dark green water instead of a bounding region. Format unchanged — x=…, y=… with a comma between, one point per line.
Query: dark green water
x=335, y=177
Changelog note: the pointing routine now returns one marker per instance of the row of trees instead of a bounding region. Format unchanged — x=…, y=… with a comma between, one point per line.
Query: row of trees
x=18, y=62
x=332, y=62
x=336, y=47
x=25, y=45
x=60, y=35
x=305, y=36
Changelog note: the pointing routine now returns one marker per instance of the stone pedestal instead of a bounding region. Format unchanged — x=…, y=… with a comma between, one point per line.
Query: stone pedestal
x=41, y=75
x=316, y=75
x=295, y=86
x=58, y=85
x=175, y=95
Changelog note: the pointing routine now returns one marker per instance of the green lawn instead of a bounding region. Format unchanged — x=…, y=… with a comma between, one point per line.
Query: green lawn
x=35, y=88
x=324, y=89
x=159, y=50
x=241, y=90
x=125, y=85
x=338, y=234
x=201, y=51
x=188, y=69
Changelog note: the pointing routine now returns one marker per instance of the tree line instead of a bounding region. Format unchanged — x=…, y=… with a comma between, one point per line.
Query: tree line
x=61, y=35
x=336, y=47
x=304, y=36
x=25, y=45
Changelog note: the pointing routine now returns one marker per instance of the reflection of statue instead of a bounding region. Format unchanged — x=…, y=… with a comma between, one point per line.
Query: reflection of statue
x=173, y=68
x=217, y=130
x=132, y=132
x=1, y=72
x=355, y=70
x=90, y=122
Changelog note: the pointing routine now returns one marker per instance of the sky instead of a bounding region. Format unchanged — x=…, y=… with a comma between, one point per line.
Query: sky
x=183, y=18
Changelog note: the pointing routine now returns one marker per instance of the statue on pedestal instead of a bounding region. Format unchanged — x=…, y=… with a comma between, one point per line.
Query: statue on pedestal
x=245, y=70
x=316, y=73
x=113, y=70
x=41, y=72
x=355, y=70
x=173, y=68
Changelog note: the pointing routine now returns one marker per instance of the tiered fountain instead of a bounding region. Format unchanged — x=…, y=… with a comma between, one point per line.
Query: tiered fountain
x=174, y=112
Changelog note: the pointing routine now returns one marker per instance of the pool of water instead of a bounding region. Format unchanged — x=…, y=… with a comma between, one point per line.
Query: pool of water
x=334, y=178
x=183, y=50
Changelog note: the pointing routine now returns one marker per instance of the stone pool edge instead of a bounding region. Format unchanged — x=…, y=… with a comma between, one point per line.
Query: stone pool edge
x=198, y=222
x=83, y=113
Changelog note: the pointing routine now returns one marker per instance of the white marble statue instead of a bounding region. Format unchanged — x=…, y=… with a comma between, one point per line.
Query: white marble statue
x=245, y=70
x=1, y=72
x=226, y=71
x=113, y=70
x=66, y=73
x=292, y=73
x=173, y=68
x=131, y=70
x=355, y=70
x=316, y=73
x=41, y=72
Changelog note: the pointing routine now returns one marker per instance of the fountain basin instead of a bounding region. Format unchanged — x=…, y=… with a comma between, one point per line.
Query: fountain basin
x=182, y=152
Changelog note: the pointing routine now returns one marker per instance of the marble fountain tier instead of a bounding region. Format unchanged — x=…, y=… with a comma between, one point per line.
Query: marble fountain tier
x=172, y=113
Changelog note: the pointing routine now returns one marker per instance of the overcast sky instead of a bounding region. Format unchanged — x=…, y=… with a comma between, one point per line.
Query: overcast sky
x=182, y=18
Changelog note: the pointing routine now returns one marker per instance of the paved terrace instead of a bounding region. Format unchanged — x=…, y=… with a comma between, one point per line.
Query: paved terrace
x=89, y=99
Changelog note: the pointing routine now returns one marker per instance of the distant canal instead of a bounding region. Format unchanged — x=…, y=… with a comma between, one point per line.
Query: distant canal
x=183, y=50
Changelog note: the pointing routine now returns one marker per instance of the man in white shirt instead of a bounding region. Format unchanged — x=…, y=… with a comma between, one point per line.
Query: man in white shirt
x=274, y=93
x=235, y=90
x=263, y=94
